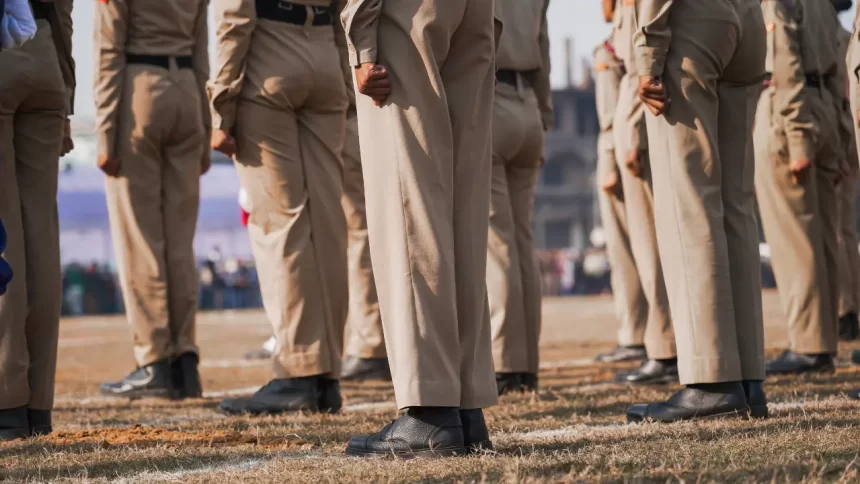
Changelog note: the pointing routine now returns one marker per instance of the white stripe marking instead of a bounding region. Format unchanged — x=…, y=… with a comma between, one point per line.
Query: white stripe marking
x=574, y=363
x=234, y=363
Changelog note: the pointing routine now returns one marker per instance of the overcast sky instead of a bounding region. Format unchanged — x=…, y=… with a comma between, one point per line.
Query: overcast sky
x=577, y=19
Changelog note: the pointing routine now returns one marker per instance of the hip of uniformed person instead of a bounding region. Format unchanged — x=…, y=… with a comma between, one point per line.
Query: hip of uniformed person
x=518, y=133
x=293, y=59
x=32, y=68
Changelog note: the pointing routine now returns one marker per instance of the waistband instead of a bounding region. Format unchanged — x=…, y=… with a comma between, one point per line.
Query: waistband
x=183, y=61
x=815, y=81
x=293, y=13
x=513, y=78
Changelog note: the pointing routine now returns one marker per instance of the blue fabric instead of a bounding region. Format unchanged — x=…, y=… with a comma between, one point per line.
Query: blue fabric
x=5, y=269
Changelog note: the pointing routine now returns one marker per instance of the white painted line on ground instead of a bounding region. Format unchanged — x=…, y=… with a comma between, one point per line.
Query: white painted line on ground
x=574, y=363
x=234, y=392
x=370, y=407
x=234, y=363
x=83, y=341
x=162, y=476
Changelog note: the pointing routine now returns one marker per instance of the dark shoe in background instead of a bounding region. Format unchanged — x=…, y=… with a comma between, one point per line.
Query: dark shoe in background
x=791, y=363
x=854, y=394
x=153, y=380
x=622, y=353
x=40, y=422
x=186, y=376
x=855, y=357
x=361, y=369
x=420, y=432
x=651, y=372
x=516, y=383
x=312, y=394
x=476, y=435
x=849, y=327
x=704, y=401
x=756, y=398
x=14, y=424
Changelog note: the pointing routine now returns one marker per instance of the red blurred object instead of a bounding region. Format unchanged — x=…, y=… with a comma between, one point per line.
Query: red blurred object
x=244, y=216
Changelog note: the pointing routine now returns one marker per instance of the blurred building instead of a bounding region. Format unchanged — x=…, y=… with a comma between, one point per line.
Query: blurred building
x=565, y=205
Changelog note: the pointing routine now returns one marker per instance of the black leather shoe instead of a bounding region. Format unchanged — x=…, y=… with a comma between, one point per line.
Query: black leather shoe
x=849, y=327
x=153, y=380
x=420, y=432
x=756, y=398
x=40, y=422
x=360, y=369
x=855, y=357
x=14, y=424
x=186, y=377
x=854, y=394
x=312, y=394
x=651, y=372
x=791, y=363
x=476, y=435
x=712, y=400
x=622, y=353
x=516, y=383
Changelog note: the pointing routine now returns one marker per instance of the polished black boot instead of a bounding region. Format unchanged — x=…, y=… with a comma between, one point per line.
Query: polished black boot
x=854, y=394
x=791, y=363
x=476, y=435
x=14, y=424
x=186, y=377
x=312, y=394
x=40, y=422
x=516, y=383
x=855, y=357
x=360, y=369
x=622, y=353
x=849, y=328
x=702, y=401
x=153, y=380
x=756, y=398
x=651, y=372
x=420, y=432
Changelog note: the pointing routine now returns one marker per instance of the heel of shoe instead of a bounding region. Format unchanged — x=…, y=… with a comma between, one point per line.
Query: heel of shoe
x=192, y=388
x=758, y=411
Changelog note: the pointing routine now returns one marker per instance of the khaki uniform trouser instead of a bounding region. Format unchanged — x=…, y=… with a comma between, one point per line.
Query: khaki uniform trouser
x=427, y=159
x=849, y=257
x=631, y=307
x=364, y=325
x=32, y=110
x=639, y=202
x=800, y=225
x=289, y=144
x=153, y=204
x=513, y=274
x=704, y=196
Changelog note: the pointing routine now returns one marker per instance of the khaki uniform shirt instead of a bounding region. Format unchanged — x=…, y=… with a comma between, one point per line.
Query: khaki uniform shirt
x=652, y=38
x=524, y=46
x=61, y=28
x=625, y=28
x=608, y=71
x=801, y=41
x=151, y=27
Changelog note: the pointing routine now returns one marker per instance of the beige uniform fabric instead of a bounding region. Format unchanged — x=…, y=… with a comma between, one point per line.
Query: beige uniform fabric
x=34, y=101
x=279, y=89
x=513, y=273
x=849, y=257
x=427, y=160
x=364, y=325
x=630, y=133
x=711, y=58
x=795, y=121
x=155, y=122
x=631, y=307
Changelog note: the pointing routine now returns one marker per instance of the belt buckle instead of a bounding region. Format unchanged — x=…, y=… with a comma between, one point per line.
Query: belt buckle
x=282, y=5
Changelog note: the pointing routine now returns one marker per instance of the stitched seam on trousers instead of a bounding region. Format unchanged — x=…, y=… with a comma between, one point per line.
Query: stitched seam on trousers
x=395, y=128
x=670, y=155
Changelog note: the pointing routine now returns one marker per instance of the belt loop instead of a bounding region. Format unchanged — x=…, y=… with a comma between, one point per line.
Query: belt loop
x=172, y=64
x=519, y=84
x=309, y=20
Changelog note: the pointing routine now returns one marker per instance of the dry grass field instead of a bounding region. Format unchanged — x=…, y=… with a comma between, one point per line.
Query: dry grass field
x=572, y=431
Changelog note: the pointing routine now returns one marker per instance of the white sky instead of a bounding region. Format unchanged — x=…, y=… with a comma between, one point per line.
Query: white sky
x=579, y=19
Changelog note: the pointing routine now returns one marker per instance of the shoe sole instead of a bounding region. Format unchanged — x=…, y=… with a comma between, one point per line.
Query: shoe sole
x=666, y=380
x=151, y=393
x=418, y=454
x=385, y=377
x=758, y=411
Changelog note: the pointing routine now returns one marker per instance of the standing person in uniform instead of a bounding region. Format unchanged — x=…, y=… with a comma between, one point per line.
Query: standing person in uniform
x=522, y=112
x=279, y=107
x=37, y=84
x=631, y=155
x=853, y=67
x=152, y=121
x=700, y=67
x=365, y=356
x=849, y=257
x=424, y=70
x=797, y=169
x=631, y=307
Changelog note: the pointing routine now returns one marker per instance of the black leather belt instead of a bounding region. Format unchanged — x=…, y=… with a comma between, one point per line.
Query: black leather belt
x=183, y=61
x=815, y=81
x=41, y=10
x=512, y=78
x=293, y=13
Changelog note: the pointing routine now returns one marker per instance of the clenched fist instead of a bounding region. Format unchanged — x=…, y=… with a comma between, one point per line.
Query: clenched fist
x=372, y=80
